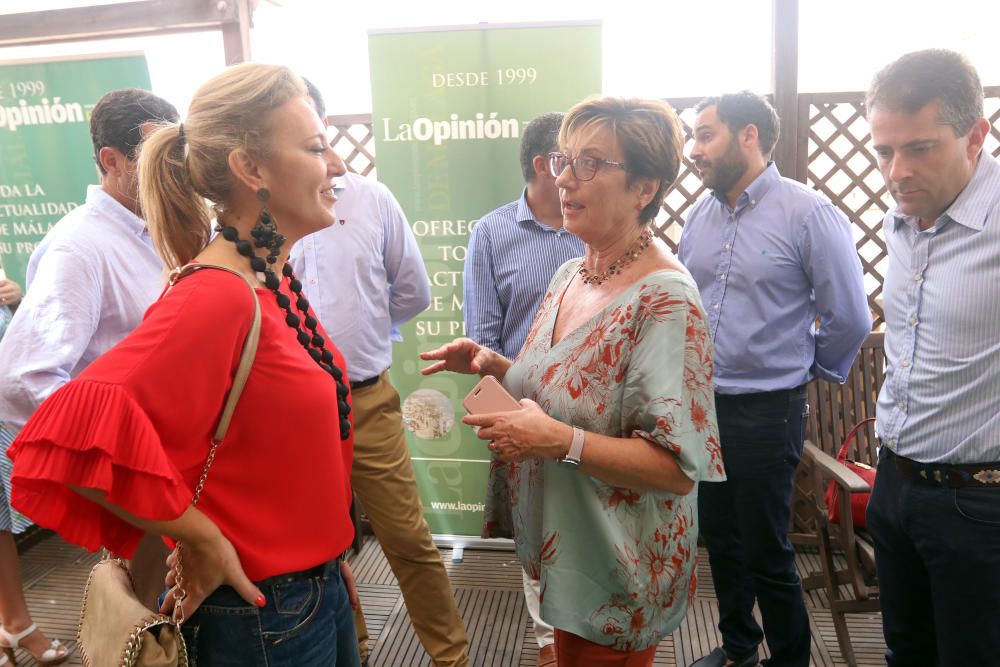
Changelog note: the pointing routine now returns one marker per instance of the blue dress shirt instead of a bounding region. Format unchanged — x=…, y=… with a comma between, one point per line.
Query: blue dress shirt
x=364, y=276
x=767, y=270
x=511, y=260
x=942, y=306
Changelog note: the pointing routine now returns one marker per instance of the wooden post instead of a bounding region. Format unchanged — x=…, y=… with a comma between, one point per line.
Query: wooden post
x=134, y=19
x=785, y=83
x=236, y=35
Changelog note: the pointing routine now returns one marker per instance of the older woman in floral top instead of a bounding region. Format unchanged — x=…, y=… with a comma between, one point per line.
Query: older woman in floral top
x=595, y=475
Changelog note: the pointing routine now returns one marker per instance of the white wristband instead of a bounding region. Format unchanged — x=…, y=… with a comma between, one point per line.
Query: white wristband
x=575, y=449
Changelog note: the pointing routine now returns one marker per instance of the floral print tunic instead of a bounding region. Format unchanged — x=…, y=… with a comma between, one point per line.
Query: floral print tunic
x=616, y=565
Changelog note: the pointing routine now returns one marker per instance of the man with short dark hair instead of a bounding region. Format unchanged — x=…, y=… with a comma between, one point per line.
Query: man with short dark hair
x=88, y=285
x=365, y=278
x=513, y=253
x=782, y=284
x=94, y=274
x=515, y=250
x=934, y=512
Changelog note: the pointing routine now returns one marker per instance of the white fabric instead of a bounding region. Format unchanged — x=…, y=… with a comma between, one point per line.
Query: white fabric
x=88, y=285
x=364, y=276
x=544, y=634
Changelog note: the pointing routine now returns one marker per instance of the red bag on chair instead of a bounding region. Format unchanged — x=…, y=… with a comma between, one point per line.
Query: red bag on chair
x=859, y=501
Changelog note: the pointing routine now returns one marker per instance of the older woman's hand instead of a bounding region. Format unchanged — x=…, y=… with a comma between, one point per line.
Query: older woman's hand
x=522, y=434
x=464, y=355
x=10, y=293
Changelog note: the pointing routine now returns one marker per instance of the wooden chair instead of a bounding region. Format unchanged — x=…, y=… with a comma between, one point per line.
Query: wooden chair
x=833, y=412
x=835, y=409
x=847, y=558
x=857, y=574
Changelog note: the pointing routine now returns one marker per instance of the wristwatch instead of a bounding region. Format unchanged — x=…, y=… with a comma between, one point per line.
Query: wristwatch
x=575, y=449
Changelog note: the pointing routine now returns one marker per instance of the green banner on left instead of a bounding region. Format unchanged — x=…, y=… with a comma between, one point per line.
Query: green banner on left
x=46, y=157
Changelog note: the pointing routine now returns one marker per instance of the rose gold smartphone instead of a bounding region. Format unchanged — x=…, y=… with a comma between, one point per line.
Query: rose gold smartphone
x=489, y=396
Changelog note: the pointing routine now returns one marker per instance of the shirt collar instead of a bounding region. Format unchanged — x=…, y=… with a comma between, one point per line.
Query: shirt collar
x=341, y=183
x=756, y=191
x=973, y=204
x=525, y=215
x=113, y=209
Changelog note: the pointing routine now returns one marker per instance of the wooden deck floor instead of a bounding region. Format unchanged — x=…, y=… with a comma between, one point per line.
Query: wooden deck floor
x=488, y=589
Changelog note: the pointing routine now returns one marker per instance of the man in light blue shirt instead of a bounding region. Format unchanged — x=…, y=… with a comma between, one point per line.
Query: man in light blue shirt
x=513, y=253
x=365, y=277
x=781, y=281
x=934, y=512
x=88, y=285
x=515, y=250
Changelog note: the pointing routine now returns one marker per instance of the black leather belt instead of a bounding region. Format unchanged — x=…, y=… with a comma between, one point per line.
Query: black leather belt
x=312, y=573
x=795, y=392
x=947, y=475
x=361, y=384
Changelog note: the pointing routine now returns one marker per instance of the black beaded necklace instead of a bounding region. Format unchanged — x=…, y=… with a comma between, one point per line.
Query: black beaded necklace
x=266, y=236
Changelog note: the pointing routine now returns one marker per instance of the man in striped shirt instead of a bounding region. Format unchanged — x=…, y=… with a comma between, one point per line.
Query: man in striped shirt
x=513, y=253
x=515, y=250
x=934, y=513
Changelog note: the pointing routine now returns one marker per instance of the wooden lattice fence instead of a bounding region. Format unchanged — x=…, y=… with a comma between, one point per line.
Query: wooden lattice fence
x=833, y=156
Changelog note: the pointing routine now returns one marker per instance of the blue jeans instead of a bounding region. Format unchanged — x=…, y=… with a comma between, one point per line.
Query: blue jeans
x=937, y=551
x=744, y=522
x=305, y=623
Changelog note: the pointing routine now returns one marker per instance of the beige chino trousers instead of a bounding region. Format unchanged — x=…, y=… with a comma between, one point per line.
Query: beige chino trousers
x=382, y=478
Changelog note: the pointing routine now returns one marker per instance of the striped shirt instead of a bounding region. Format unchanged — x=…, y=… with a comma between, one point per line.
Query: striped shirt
x=511, y=260
x=942, y=307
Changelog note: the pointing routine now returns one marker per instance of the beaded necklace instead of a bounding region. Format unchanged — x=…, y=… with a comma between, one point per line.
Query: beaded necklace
x=619, y=264
x=266, y=236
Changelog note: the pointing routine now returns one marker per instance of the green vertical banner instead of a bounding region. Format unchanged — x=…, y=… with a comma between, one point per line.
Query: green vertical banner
x=46, y=156
x=449, y=106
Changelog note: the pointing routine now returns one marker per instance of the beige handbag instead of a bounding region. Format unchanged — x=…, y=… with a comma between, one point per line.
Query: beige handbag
x=116, y=629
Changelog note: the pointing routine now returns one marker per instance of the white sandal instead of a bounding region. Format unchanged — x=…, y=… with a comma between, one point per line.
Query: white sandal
x=53, y=655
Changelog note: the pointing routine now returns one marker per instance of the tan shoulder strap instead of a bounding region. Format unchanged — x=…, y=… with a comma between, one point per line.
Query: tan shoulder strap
x=249, y=345
x=239, y=381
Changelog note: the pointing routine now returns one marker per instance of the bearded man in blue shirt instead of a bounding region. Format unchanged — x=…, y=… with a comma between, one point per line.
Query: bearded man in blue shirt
x=781, y=281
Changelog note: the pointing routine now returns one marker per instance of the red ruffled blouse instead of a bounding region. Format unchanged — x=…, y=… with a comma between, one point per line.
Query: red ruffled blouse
x=137, y=424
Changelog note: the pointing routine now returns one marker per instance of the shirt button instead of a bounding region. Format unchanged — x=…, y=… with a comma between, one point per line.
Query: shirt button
x=312, y=281
x=309, y=245
x=917, y=277
x=722, y=276
x=892, y=442
x=727, y=246
x=715, y=306
x=901, y=405
x=753, y=202
x=906, y=363
x=912, y=320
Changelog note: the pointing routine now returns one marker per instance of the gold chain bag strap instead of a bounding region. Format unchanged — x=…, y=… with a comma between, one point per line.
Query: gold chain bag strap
x=115, y=627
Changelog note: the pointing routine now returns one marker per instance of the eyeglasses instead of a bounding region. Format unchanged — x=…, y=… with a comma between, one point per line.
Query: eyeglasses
x=584, y=166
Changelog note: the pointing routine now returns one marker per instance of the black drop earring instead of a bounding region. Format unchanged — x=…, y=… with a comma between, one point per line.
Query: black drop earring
x=265, y=231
